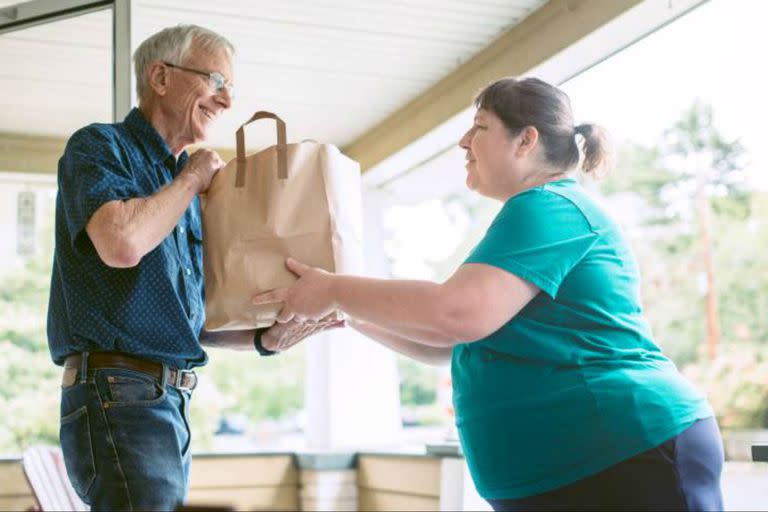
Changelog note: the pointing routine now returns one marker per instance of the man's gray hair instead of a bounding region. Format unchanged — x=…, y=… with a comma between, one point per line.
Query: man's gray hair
x=173, y=44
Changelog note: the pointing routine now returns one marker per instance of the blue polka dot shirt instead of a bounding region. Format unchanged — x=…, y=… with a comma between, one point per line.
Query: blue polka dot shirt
x=153, y=310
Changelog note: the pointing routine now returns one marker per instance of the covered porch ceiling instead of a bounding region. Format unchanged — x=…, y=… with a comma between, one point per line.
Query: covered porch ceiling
x=374, y=78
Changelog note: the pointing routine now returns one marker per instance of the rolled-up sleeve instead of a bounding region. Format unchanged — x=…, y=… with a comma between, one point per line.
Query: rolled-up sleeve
x=92, y=172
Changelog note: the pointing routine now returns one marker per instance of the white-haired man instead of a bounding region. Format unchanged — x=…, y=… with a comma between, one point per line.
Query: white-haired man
x=126, y=307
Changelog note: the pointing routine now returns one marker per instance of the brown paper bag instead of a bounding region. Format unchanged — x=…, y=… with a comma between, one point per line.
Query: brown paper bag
x=301, y=200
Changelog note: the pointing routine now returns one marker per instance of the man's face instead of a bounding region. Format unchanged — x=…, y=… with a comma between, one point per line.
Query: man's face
x=191, y=103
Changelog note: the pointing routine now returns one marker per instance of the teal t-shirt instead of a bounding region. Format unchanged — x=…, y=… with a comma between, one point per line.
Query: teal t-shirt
x=573, y=383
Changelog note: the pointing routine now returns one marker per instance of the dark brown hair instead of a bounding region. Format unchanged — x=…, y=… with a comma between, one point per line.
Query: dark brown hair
x=533, y=102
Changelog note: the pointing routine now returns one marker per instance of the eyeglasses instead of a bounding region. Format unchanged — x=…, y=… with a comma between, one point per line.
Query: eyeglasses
x=216, y=80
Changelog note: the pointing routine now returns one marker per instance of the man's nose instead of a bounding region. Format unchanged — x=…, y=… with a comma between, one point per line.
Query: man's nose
x=224, y=97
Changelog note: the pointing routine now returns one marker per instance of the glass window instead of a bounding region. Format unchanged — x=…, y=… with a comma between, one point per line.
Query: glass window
x=430, y=223
x=58, y=78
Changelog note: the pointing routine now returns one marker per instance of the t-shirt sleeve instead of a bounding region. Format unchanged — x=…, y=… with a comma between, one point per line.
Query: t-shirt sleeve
x=539, y=236
x=92, y=172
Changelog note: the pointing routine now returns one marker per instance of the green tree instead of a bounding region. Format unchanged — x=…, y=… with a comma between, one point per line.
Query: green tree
x=418, y=383
x=29, y=397
x=707, y=165
x=668, y=182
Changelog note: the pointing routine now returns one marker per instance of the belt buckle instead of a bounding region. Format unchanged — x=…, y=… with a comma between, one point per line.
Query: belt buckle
x=180, y=378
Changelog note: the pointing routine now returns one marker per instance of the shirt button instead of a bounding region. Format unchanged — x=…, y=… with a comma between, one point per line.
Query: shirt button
x=189, y=271
x=181, y=229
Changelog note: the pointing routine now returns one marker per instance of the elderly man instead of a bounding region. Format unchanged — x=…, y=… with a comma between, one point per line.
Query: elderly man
x=126, y=305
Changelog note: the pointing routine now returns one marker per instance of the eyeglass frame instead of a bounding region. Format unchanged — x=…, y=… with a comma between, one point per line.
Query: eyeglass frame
x=216, y=80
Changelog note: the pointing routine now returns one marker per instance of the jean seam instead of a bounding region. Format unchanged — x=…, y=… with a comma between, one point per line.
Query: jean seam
x=111, y=442
x=678, y=480
x=69, y=418
x=185, y=403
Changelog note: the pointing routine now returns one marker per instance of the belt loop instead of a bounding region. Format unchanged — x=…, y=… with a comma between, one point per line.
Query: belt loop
x=83, y=367
x=164, y=380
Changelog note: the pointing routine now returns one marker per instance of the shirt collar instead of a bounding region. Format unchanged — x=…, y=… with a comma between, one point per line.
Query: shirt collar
x=154, y=146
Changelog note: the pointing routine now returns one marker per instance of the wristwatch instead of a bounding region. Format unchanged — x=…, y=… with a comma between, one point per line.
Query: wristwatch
x=257, y=342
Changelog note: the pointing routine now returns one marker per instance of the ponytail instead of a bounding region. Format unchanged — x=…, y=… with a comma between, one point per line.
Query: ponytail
x=595, y=145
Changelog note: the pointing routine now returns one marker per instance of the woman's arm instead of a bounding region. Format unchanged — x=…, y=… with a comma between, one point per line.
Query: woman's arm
x=476, y=301
x=410, y=348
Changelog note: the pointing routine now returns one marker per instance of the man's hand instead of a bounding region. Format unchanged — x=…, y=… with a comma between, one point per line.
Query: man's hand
x=203, y=165
x=281, y=337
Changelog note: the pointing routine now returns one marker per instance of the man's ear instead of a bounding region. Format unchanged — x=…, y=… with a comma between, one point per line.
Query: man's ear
x=159, y=77
x=528, y=139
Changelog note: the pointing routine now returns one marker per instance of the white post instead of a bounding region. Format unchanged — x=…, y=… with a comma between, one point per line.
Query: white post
x=352, y=395
x=122, y=77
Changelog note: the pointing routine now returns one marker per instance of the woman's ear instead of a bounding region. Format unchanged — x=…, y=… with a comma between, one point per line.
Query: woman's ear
x=528, y=139
x=159, y=78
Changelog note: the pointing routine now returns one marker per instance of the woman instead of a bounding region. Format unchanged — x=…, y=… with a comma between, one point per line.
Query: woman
x=562, y=399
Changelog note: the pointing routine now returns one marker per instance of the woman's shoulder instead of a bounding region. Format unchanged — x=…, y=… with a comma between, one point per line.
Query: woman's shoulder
x=553, y=202
x=571, y=192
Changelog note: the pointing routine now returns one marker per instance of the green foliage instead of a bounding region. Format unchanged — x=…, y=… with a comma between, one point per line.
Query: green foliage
x=702, y=160
x=418, y=383
x=742, y=263
x=667, y=246
x=262, y=387
x=29, y=397
x=640, y=172
x=735, y=383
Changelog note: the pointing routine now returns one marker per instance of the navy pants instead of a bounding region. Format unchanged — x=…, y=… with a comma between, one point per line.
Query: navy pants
x=681, y=474
x=125, y=440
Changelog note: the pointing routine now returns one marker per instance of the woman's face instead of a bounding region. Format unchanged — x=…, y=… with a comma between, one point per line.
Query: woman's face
x=492, y=156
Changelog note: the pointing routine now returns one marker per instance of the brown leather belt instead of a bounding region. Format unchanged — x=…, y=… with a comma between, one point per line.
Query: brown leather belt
x=180, y=379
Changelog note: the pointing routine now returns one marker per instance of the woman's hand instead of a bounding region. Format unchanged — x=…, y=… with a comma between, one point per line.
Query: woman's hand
x=308, y=300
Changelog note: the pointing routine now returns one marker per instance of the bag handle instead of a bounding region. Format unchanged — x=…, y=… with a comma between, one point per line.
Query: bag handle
x=282, y=164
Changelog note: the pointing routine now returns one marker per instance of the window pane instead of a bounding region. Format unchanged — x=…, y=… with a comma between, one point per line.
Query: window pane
x=57, y=78
x=431, y=222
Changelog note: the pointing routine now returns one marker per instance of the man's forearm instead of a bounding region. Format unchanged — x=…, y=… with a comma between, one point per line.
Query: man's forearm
x=124, y=231
x=233, y=340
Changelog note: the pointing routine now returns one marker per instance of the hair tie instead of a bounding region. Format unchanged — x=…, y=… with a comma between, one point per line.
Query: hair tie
x=580, y=129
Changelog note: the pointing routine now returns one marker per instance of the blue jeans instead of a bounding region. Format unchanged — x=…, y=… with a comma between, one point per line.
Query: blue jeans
x=126, y=440
x=681, y=474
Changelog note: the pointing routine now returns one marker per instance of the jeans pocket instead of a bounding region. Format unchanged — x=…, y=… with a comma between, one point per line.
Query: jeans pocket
x=127, y=388
x=75, y=438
